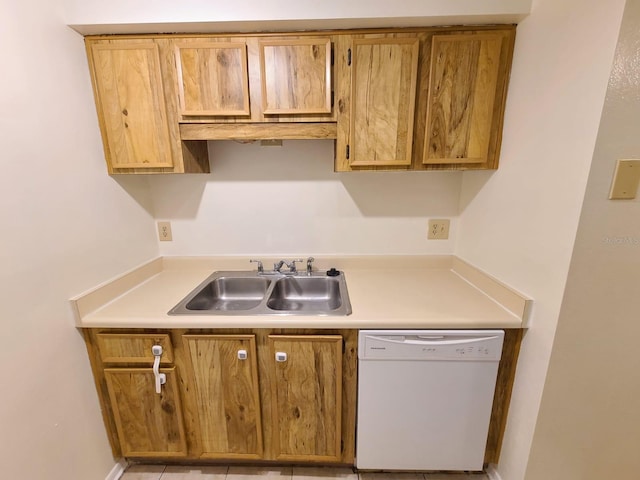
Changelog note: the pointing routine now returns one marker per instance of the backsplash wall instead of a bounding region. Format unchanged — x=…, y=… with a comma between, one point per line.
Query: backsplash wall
x=288, y=200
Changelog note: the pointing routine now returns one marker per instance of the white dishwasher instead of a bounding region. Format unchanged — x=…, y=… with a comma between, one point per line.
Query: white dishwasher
x=425, y=398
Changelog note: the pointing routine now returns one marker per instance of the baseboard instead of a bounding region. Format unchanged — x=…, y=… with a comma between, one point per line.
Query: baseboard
x=117, y=470
x=492, y=472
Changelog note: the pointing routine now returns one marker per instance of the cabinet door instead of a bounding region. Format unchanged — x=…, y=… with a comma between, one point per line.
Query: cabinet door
x=306, y=397
x=131, y=105
x=148, y=424
x=296, y=76
x=383, y=91
x=225, y=378
x=462, y=93
x=212, y=78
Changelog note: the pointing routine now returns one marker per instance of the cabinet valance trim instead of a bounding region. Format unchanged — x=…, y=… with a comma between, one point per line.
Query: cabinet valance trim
x=261, y=131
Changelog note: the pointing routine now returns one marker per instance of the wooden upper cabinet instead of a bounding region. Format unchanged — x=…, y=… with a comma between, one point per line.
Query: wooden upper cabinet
x=463, y=82
x=213, y=79
x=296, y=76
x=130, y=95
x=416, y=99
x=383, y=93
x=225, y=386
x=306, y=397
x=447, y=114
x=134, y=83
x=255, y=87
x=148, y=424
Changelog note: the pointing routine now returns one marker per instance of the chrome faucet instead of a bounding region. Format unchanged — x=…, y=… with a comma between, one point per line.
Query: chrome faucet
x=290, y=265
x=278, y=266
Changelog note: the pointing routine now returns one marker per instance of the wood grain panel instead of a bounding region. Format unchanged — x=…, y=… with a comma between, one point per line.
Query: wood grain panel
x=349, y=394
x=213, y=79
x=383, y=90
x=342, y=79
x=258, y=131
x=227, y=394
x=129, y=83
x=462, y=92
x=148, y=424
x=307, y=397
x=97, y=369
x=296, y=76
x=502, y=395
x=133, y=348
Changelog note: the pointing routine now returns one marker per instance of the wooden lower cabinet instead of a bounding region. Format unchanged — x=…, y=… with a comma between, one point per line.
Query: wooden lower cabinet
x=149, y=424
x=227, y=397
x=245, y=395
x=223, y=372
x=306, y=389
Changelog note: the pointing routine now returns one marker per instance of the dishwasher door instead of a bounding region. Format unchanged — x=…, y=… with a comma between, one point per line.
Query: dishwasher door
x=425, y=398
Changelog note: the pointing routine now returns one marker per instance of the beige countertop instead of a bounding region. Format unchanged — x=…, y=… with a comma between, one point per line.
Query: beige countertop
x=385, y=292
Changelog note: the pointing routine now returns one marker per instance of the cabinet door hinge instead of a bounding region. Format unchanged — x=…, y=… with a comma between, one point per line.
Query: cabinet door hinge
x=347, y=152
x=349, y=57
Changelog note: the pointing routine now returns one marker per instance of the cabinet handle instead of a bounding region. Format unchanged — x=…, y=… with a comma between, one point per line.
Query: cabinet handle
x=161, y=378
x=242, y=354
x=281, y=356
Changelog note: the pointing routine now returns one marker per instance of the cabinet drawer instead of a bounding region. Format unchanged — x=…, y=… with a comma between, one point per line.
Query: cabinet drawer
x=133, y=348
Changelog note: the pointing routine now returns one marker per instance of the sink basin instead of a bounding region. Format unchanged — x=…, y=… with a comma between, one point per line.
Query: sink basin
x=252, y=293
x=230, y=293
x=306, y=294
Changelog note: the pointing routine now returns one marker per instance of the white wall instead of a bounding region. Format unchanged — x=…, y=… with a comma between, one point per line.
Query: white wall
x=254, y=201
x=121, y=16
x=66, y=226
x=589, y=422
x=287, y=200
x=520, y=223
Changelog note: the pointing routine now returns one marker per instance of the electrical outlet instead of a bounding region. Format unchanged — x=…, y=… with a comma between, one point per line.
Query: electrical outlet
x=164, y=231
x=438, y=229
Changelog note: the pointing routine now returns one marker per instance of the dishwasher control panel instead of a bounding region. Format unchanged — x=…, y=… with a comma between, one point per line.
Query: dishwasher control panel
x=476, y=345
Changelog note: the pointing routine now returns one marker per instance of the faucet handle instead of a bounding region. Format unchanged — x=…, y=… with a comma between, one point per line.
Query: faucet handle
x=292, y=265
x=309, y=265
x=260, y=267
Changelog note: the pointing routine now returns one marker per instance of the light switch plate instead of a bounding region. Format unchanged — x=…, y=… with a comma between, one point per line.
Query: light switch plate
x=438, y=229
x=164, y=232
x=625, y=180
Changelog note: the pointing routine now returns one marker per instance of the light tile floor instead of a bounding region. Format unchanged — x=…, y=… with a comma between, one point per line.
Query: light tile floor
x=161, y=472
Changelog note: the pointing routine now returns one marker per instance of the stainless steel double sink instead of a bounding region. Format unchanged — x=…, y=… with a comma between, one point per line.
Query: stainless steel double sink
x=269, y=293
